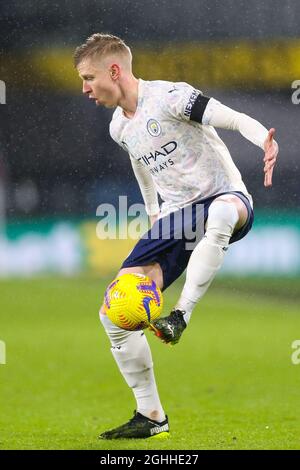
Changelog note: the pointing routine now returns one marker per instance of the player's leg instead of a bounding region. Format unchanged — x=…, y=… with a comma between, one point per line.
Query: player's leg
x=132, y=354
x=226, y=214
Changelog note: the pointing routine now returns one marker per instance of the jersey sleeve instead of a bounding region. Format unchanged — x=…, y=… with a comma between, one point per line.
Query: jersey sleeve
x=143, y=176
x=148, y=190
x=218, y=115
x=185, y=102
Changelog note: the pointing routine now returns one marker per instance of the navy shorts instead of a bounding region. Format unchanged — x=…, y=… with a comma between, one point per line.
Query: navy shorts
x=171, y=242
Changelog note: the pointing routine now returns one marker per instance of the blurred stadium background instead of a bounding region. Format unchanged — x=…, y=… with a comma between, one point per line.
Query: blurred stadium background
x=58, y=163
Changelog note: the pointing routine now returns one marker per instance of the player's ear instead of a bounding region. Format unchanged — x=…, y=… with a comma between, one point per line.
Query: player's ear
x=114, y=71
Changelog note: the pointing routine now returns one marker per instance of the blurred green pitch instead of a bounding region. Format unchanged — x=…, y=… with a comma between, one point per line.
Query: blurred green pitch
x=229, y=383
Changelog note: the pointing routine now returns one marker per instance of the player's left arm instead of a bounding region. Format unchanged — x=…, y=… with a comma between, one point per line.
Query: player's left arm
x=209, y=111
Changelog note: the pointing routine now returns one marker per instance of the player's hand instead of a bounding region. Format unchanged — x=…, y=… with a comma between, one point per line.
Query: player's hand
x=271, y=152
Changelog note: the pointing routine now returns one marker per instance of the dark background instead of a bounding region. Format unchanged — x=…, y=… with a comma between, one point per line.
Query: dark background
x=56, y=155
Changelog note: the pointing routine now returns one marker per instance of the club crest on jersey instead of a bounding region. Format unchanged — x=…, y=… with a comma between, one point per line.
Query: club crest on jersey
x=153, y=127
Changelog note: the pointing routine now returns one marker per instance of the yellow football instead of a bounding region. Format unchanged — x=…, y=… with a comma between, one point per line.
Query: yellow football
x=132, y=301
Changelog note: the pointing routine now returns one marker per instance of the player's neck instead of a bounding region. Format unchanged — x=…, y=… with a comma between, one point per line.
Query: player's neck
x=129, y=98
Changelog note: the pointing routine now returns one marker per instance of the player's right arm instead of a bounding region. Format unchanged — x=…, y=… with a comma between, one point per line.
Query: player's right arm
x=148, y=190
x=143, y=176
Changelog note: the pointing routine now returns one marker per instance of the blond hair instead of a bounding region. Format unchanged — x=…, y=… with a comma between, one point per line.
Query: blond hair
x=101, y=45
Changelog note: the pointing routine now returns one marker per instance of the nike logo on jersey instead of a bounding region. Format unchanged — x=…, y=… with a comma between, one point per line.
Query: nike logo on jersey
x=173, y=89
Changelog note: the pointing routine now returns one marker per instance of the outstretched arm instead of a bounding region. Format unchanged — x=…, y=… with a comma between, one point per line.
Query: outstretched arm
x=216, y=114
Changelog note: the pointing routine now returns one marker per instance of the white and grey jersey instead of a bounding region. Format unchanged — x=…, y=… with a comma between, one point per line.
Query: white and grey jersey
x=187, y=159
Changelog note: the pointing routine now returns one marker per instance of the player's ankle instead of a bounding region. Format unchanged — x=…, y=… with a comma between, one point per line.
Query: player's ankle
x=155, y=415
x=186, y=307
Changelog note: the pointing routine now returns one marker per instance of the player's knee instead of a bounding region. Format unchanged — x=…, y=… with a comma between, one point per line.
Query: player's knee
x=117, y=336
x=107, y=324
x=222, y=219
x=102, y=311
x=152, y=270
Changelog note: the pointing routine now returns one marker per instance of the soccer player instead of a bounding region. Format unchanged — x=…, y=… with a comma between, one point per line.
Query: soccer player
x=168, y=131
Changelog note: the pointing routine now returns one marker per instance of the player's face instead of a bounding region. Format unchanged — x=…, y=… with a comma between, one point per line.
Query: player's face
x=97, y=83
